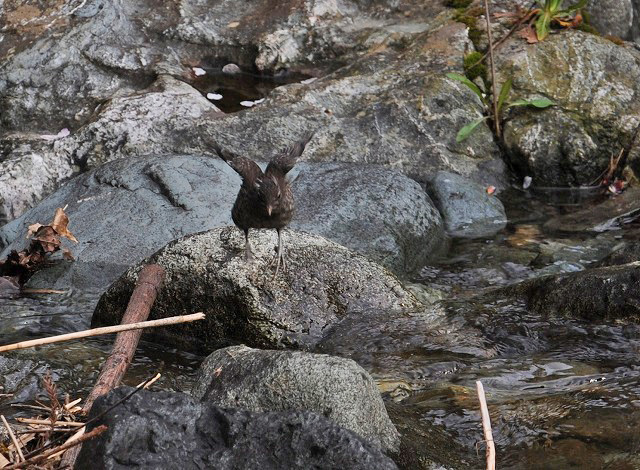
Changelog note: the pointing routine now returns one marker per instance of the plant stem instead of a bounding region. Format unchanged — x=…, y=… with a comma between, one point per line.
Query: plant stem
x=494, y=93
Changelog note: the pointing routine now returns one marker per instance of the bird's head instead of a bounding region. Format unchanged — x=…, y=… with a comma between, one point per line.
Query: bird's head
x=269, y=193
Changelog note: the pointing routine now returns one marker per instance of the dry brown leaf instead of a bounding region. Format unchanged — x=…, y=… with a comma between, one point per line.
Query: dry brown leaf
x=66, y=254
x=528, y=33
x=60, y=223
x=33, y=228
x=48, y=238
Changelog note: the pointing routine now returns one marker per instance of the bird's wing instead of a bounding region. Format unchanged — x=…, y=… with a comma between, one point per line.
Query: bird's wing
x=283, y=162
x=245, y=167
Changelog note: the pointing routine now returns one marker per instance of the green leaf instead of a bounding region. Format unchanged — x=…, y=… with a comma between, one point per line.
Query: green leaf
x=468, y=129
x=542, y=25
x=504, y=93
x=538, y=103
x=469, y=83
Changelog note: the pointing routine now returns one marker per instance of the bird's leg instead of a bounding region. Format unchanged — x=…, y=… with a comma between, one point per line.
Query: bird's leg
x=279, y=258
x=248, y=255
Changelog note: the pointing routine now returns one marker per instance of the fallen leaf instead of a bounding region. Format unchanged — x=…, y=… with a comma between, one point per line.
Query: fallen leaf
x=48, y=239
x=60, y=223
x=66, y=254
x=528, y=33
x=218, y=371
x=233, y=24
x=33, y=228
x=491, y=190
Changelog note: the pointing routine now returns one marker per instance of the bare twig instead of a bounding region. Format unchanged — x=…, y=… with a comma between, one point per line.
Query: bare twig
x=47, y=422
x=494, y=92
x=13, y=438
x=486, y=427
x=38, y=458
x=103, y=331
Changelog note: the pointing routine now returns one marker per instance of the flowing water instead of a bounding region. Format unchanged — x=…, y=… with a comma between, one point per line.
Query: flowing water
x=563, y=393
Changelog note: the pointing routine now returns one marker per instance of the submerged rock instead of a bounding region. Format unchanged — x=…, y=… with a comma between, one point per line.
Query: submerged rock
x=468, y=211
x=168, y=430
x=324, y=283
x=336, y=388
x=596, y=108
x=599, y=294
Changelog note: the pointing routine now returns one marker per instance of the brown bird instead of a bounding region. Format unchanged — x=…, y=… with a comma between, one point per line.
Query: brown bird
x=265, y=199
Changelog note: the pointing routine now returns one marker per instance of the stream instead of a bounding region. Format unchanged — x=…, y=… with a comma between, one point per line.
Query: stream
x=562, y=393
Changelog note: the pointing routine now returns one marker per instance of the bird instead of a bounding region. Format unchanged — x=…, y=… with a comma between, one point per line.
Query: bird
x=265, y=199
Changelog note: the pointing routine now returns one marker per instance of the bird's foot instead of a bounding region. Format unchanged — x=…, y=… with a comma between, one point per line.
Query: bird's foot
x=280, y=260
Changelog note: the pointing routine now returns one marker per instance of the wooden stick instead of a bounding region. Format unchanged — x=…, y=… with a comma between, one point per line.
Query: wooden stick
x=13, y=438
x=103, y=331
x=149, y=282
x=494, y=92
x=486, y=427
x=38, y=458
x=48, y=422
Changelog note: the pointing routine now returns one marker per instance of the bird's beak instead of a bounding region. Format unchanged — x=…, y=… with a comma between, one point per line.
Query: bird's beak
x=269, y=209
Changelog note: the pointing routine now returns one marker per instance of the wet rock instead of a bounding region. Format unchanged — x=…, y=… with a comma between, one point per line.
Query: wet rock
x=163, y=429
x=612, y=17
x=231, y=69
x=336, y=388
x=570, y=144
x=468, y=211
x=608, y=215
x=323, y=284
x=599, y=294
x=372, y=210
x=627, y=253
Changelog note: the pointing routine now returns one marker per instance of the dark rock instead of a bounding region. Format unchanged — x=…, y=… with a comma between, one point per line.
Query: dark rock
x=155, y=430
x=372, y=210
x=599, y=294
x=570, y=144
x=612, y=17
x=336, y=388
x=468, y=211
x=207, y=272
x=628, y=253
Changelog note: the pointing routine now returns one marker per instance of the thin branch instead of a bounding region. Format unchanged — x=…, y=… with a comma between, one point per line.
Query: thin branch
x=90, y=435
x=486, y=427
x=494, y=92
x=13, y=438
x=103, y=331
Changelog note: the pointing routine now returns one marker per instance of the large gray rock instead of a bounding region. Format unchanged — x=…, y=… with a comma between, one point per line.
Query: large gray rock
x=336, y=388
x=125, y=211
x=244, y=303
x=597, y=110
x=153, y=430
x=612, y=17
x=372, y=210
x=468, y=211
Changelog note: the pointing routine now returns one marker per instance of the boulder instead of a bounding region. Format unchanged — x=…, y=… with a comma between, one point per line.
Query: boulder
x=372, y=210
x=167, y=429
x=323, y=283
x=613, y=17
x=468, y=211
x=599, y=294
x=336, y=388
x=596, y=107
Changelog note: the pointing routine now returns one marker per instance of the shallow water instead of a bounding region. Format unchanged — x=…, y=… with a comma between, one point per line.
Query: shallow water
x=562, y=393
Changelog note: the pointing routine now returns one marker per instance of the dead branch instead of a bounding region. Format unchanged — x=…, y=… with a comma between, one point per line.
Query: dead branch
x=494, y=90
x=486, y=427
x=103, y=331
x=13, y=438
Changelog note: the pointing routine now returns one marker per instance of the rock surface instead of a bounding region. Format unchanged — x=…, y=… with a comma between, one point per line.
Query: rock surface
x=206, y=272
x=468, y=211
x=336, y=388
x=597, y=107
x=372, y=210
x=599, y=294
x=164, y=429
x=147, y=202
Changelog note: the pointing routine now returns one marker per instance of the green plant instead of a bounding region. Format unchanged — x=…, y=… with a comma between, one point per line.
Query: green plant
x=487, y=102
x=552, y=11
